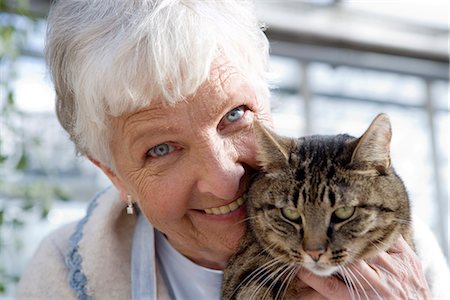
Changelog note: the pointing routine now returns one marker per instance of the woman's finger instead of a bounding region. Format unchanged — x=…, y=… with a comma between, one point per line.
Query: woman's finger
x=366, y=280
x=400, y=263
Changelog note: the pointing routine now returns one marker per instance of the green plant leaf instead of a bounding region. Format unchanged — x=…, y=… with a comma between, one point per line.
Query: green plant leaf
x=36, y=140
x=44, y=211
x=10, y=100
x=23, y=162
x=3, y=5
x=23, y=4
x=61, y=194
x=7, y=31
x=16, y=223
x=27, y=205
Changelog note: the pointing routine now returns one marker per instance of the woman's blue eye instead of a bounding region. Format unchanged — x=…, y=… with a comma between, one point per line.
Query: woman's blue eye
x=235, y=114
x=160, y=150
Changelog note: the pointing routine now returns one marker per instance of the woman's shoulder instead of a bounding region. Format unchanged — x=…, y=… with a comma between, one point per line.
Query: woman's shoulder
x=69, y=256
x=46, y=275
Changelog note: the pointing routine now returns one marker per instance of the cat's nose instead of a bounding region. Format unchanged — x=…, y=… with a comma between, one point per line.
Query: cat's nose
x=316, y=252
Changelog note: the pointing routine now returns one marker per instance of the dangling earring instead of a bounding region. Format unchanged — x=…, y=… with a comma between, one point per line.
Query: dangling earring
x=130, y=208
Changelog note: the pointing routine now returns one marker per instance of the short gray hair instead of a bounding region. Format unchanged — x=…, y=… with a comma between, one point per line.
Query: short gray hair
x=109, y=57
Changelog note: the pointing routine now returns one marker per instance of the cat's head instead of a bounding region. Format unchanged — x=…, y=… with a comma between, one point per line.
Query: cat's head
x=324, y=201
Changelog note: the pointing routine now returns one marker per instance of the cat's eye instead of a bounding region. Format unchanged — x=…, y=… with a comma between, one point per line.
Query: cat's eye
x=290, y=213
x=344, y=213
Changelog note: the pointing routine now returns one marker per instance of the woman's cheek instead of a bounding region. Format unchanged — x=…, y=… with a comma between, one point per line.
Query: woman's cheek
x=165, y=198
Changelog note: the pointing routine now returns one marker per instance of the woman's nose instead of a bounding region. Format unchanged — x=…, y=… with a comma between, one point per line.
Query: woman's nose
x=220, y=172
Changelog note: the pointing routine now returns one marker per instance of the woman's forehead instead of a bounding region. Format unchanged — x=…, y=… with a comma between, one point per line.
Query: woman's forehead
x=222, y=92
x=224, y=83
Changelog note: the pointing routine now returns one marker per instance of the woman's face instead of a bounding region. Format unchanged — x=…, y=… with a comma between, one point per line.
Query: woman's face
x=188, y=165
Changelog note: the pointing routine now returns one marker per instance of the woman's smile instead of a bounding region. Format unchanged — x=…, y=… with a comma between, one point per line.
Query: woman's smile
x=225, y=209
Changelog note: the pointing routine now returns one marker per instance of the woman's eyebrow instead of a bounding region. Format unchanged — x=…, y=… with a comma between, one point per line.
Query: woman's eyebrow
x=151, y=130
x=142, y=123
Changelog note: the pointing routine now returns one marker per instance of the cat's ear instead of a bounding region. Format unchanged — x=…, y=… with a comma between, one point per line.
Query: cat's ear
x=272, y=149
x=372, y=153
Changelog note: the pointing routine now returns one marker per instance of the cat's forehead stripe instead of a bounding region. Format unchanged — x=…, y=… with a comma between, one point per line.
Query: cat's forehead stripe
x=323, y=191
x=331, y=172
x=295, y=196
x=305, y=195
x=300, y=174
x=331, y=197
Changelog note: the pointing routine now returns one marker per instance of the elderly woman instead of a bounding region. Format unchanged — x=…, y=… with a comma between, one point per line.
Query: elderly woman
x=161, y=96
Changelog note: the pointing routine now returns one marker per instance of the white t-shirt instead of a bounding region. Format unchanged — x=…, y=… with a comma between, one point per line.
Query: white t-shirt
x=184, y=278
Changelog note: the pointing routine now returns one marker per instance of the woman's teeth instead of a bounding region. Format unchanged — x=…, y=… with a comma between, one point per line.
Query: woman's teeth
x=226, y=208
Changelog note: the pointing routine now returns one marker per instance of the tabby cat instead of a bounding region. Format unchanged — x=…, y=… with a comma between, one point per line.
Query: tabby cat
x=319, y=203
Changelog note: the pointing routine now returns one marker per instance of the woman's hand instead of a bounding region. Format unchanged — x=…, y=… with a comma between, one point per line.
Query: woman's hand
x=395, y=274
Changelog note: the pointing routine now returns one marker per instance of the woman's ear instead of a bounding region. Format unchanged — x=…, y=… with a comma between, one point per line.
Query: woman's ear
x=117, y=182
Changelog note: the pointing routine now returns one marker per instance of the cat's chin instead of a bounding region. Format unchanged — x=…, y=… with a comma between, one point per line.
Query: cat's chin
x=322, y=271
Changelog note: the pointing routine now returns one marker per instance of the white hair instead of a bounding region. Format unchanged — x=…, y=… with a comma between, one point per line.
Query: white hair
x=110, y=57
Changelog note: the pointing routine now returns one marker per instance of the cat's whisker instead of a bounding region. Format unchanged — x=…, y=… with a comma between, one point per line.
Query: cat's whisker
x=277, y=275
x=356, y=280
x=250, y=281
x=347, y=282
x=380, y=241
x=285, y=284
x=263, y=270
x=256, y=274
x=244, y=220
x=351, y=255
x=268, y=248
x=349, y=285
x=282, y=277
x=265, y=250
x=401, y=265
x=369, y=284
x=380, y=249
x=354, y=287
x=267, y=266
x=287, y=269
x=292, y=274
x=274, y=277
x=385, y=271
x=265, y=280
x=375, y=245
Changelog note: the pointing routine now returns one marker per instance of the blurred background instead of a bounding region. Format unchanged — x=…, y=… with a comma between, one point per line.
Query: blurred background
x=335, y=64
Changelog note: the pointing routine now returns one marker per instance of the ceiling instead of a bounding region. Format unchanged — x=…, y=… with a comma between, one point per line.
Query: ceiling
x=417, y=29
